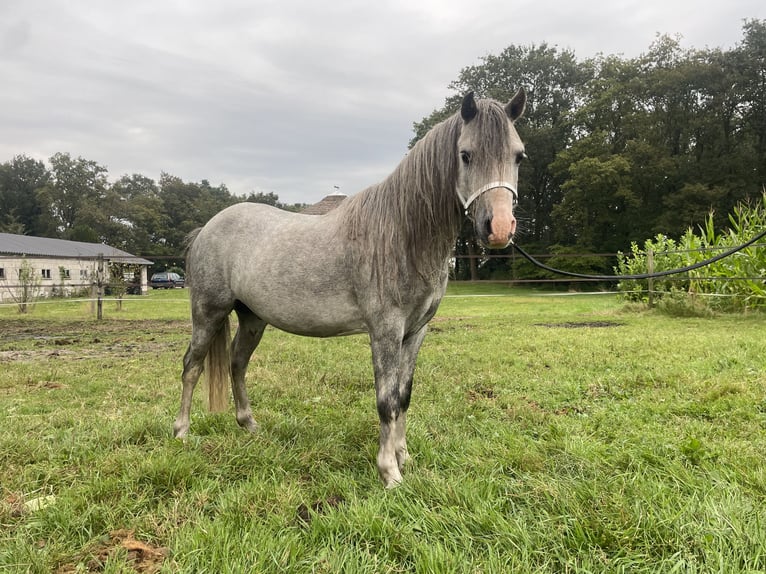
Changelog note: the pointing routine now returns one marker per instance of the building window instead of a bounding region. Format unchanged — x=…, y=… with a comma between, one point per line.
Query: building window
x=2, y=273
x=46, y=273
x=64, y=273
x=83, y=274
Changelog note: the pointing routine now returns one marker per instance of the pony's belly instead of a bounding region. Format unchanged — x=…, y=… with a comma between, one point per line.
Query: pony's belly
x=311, y=316
x=322, y=331
x=309, y=327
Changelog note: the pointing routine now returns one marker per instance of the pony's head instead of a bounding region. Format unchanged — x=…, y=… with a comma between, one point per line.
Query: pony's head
x=489, y=154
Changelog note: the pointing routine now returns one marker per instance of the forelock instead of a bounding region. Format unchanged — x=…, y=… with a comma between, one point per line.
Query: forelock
x=493, y=131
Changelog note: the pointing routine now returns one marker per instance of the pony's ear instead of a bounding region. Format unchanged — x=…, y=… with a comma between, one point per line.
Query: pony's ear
x=468, y=109
x=515, y=108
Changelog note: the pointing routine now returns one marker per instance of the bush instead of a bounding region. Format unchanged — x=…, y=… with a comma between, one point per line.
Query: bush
x=735, y=282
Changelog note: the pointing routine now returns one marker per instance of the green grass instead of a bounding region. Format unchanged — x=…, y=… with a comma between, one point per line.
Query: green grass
x=548, y=434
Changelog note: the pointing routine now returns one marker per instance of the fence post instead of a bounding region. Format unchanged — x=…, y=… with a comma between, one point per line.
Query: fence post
x=650, y=281
x=100, y=284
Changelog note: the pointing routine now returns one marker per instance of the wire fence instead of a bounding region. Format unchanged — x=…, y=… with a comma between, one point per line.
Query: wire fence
x=519, y=271
x=505, y=269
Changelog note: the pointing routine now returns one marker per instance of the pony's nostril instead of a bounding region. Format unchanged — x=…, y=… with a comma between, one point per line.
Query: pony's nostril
x=488, y=228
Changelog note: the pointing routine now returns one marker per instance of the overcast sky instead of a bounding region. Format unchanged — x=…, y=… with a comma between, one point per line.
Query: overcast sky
x=290, y=96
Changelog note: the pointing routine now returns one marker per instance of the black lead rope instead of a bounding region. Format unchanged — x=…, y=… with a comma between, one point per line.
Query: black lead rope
x=718, y=257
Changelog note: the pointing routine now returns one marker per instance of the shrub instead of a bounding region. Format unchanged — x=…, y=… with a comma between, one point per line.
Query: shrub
x=734, y=282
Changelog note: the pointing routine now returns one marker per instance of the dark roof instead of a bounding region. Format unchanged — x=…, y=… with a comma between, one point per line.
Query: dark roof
x=11, y=244
x=327, y=204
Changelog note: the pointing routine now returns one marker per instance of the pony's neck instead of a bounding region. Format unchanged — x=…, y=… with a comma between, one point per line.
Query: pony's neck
x=414, y=213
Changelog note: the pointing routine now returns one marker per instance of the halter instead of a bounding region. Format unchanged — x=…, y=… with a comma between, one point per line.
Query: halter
x=493, y=185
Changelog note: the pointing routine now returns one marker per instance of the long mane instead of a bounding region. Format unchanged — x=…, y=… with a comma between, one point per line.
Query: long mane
x=408, y=223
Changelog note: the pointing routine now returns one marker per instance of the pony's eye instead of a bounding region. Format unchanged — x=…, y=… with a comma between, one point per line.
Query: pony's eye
x=521, y=156
x=465, y=157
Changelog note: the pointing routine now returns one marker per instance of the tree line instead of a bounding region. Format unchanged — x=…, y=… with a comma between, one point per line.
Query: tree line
x=71, y=198
x=620, y=149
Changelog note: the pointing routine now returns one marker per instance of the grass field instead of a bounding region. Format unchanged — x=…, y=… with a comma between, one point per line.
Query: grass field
x=548, y=434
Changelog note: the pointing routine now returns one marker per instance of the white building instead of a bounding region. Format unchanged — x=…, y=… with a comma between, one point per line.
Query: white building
x=60, y=267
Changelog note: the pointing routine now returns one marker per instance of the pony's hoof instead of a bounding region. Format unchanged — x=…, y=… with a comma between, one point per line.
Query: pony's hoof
x=249, y=424
x=394, y=483
x=391, y=479
x=180, y=431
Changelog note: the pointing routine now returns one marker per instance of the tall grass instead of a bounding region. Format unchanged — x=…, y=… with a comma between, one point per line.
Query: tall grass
x=733, y=283
x=548, y=434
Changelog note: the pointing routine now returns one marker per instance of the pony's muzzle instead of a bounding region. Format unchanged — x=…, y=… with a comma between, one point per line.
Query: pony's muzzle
x=499, y=224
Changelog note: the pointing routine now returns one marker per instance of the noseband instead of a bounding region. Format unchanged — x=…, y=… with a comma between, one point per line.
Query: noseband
x=493, y=185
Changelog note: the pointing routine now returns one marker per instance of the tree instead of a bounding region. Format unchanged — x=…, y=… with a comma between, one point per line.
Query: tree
x=596, y=208
x=143, y=217
x=186, y=206
x=675, y=117
x=74, y=198
x=20, y=179
x=120, y=274
x=269, y=198
x=750, y=58
x=28, y=287
x=272, y=199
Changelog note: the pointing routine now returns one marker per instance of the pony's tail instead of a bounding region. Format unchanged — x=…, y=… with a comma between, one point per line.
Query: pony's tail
x=187, y=243
x=218, y=370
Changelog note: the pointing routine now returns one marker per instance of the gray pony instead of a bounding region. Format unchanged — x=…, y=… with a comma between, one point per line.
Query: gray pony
x=378, y=264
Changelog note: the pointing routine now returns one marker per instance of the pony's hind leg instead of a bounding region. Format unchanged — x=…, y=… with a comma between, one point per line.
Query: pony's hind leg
x=248, y=336
x=193, y=366
x=194, y=359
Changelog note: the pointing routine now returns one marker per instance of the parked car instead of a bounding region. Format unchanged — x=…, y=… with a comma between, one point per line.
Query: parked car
x=166, y=280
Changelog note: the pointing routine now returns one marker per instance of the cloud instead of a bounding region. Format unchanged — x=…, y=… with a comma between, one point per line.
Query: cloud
x=290, y=96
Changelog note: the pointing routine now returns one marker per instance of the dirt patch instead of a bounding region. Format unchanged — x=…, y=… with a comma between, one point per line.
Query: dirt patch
x=441, y=324
x=581, y=325
x=305, y=513
x=70, y=332
x=481, y=392
x=12, y=505
x=143, y=558
x=32, y=340
x=447, y=319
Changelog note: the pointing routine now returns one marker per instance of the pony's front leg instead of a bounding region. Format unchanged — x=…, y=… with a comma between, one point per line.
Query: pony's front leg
x=386, y=354
x=410, y=348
